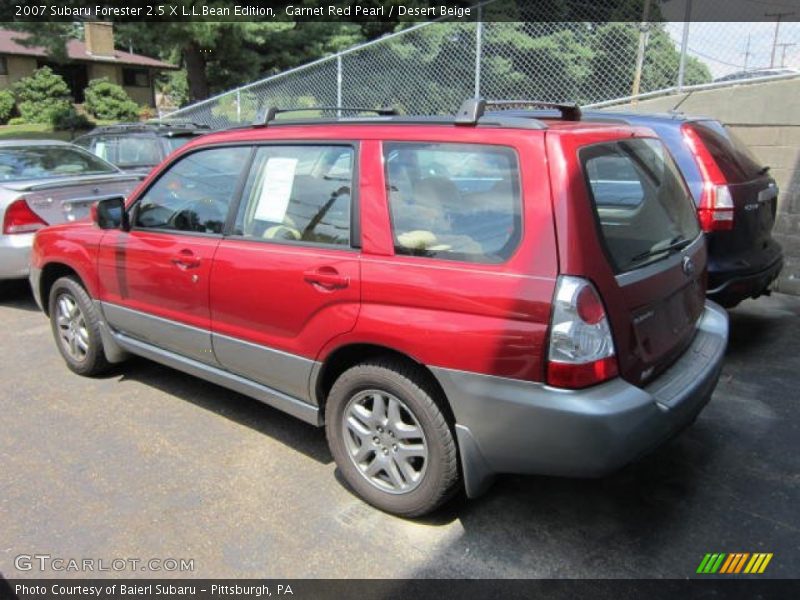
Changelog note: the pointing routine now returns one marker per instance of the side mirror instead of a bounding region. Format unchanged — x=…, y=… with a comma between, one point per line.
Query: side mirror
x=110, y=214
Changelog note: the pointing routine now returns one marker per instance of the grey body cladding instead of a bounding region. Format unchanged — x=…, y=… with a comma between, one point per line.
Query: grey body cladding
x=188, y=341
x=270, y=376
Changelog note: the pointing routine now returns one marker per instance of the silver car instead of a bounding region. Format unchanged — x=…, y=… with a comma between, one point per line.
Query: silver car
x=44, y=182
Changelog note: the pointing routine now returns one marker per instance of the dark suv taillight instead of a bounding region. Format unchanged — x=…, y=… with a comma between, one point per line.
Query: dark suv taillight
x=19, y=218
x=716, y=203
x=581, y=349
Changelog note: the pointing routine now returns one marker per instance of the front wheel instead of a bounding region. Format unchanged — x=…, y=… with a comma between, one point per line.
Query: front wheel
x=390, y=438
x=76, y=327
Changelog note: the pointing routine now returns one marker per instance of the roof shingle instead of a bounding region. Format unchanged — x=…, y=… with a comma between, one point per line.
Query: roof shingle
x=76, y=50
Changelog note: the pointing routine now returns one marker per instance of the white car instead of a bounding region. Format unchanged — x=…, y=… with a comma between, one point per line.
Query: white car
x=44, y=182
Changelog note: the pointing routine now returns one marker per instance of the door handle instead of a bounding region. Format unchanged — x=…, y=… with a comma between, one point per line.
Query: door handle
x=326, y=277
x=185, y=259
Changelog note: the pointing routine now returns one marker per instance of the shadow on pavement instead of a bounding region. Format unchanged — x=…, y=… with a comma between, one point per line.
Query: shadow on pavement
x=238, y=408
x=17, y=294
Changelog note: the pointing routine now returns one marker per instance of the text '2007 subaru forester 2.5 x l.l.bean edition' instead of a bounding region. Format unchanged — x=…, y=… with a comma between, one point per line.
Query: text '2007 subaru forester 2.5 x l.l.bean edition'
x=451, y=297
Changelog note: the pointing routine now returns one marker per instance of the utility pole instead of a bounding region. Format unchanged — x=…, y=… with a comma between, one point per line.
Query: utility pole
x=784, y=46
x=687, y=19
x=643, y=33
x=778, y=16
x=747, y=53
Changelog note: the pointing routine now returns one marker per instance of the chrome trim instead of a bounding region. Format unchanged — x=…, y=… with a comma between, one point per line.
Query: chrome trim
x=186, y=340
x=293, y=406
x=665, y=264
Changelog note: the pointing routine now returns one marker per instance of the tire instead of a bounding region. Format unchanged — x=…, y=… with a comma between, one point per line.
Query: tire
x=377, y=417
x=76, y=327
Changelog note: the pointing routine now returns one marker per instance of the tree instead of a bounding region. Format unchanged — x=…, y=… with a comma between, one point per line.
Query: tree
x=107, y=100
x=41, y=95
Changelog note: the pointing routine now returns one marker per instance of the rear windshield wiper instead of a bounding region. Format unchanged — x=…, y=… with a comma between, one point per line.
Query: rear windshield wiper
x=677, y=243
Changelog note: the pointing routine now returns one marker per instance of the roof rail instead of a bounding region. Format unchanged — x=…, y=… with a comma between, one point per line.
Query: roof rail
x=269, y=113
x=473, y=109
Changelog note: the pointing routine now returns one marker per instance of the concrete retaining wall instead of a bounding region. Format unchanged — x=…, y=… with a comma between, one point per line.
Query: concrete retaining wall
x=766, y=116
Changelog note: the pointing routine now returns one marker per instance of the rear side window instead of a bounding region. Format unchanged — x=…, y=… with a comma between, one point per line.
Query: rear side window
x=138, y=151
x=732, y=156
x=299, y=194
x=454, y=201
x=640, y=200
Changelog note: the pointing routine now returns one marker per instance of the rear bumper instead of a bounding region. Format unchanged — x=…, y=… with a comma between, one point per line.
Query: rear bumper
x=510, y=426
x=15, y=253
x=728, y=288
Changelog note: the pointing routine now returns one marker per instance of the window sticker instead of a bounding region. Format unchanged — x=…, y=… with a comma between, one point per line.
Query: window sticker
x=273, y=201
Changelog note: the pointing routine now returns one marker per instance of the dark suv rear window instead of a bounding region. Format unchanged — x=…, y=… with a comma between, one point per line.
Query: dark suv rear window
x=734, y=159
x=640, y=200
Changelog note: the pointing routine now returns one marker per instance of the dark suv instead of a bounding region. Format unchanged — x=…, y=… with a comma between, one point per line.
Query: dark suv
x=450, y=297
x=138, y=147
x=735, y=196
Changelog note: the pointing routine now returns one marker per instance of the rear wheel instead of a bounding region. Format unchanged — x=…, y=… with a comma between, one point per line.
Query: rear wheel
x=390, y=438
x=75, y=324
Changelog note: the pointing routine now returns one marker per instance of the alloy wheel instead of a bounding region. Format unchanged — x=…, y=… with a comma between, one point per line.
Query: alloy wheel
x=385, y=441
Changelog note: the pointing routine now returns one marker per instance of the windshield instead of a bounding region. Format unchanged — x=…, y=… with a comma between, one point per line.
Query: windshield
x=46, y=162
x=641, y=202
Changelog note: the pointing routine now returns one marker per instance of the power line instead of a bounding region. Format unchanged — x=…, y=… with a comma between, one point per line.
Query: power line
x=778, y=17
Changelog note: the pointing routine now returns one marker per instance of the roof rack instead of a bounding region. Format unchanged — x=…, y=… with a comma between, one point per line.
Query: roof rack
x=149, y=126
x=269, y=113
x=473, y=109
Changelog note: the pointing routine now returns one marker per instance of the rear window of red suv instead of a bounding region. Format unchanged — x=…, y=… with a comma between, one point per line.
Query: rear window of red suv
x=640, y=201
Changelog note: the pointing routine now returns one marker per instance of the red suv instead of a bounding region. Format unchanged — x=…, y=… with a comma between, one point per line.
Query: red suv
x=450, y=297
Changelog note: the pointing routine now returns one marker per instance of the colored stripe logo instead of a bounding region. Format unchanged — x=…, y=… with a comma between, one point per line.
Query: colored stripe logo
x=734, y=563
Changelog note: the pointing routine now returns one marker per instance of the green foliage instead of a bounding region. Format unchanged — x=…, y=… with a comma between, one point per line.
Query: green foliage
x=16, y=121
x=40, y=95
x=227, y=109
x=108, y=101
x=6, y=106
x=68, y=119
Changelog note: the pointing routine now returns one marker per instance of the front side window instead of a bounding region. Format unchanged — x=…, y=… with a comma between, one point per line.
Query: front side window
x=298, y=194
x=454, y=201
x=194, y=193
x=640, y=200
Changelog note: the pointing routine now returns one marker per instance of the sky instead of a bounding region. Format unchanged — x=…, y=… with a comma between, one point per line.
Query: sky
x=722, y=45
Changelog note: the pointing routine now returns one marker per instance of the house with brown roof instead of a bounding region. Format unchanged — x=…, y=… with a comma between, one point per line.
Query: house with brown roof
x=92, y=59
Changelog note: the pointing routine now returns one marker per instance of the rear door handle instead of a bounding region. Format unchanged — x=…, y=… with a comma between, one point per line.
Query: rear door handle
x=185, y=259
x=326, y=277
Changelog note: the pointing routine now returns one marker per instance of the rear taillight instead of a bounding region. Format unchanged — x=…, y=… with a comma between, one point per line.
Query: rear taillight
x=716, y=204
x=19, y=218
x=581, y=347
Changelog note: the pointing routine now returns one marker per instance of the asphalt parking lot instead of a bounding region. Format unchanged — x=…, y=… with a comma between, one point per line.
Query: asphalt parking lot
x=149, y=463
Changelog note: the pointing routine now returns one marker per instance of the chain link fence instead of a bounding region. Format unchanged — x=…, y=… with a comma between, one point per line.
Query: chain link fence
x=432, y=67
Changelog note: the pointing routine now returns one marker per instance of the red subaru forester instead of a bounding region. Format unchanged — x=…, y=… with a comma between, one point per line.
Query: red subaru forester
x=451, y=298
